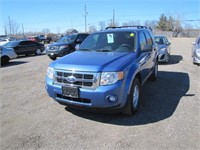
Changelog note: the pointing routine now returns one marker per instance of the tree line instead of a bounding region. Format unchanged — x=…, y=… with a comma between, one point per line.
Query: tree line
x=164, y=24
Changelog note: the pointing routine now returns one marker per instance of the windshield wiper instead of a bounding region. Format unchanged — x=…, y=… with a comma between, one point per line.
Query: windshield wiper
x=85, y=49
x=103, y=50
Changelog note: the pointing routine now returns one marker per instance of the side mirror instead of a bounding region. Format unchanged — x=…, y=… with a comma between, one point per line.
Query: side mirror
x=79, y=41
x=168, y=43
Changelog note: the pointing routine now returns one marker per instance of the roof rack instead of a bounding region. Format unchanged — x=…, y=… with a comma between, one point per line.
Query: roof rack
x=135, y=26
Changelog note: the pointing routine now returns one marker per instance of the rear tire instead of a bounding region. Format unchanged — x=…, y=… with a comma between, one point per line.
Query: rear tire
x=133, y=100
x=4, y=60
x=52, y=57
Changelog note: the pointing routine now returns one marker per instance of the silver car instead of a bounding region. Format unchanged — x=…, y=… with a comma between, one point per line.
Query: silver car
x=7, y=54
x=163, y=48
x=196, y=51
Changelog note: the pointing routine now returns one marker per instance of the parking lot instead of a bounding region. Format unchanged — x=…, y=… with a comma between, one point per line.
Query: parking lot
x=169, y=117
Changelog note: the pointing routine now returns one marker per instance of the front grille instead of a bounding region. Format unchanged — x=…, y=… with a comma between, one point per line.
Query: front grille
x=81, y=100
x=53, y=48
x=77, y=79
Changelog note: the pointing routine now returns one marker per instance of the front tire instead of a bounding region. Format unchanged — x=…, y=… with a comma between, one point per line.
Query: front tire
x=4, y=60
x=167, y=58
x=52, y=57
x=154, y=75
x=133, y=100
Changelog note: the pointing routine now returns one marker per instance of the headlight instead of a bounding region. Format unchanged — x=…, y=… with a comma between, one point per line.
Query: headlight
x=198, y=51
x=62, y=47
x=50, y=72
x=47, y=48
x=162, y=50
x=108, y=78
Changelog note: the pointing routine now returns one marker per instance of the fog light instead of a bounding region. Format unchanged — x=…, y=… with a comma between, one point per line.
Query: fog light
x=111, y=98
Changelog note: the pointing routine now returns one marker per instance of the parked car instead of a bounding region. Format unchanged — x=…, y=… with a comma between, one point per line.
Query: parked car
x=44, y=39
x=196, y=51
x=25, y=47
x=34, y=39
x=65, y=45
x=3, y=41
x=6, y=54
x=107, y=71
x=164, y=48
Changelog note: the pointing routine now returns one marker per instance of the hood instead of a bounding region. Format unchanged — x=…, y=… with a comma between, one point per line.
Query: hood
x=58, y=44
x=94, y=61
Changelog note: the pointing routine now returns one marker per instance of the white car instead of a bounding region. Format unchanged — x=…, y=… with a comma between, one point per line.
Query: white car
x=7, y=54
x=4, y=41
x=196, y=51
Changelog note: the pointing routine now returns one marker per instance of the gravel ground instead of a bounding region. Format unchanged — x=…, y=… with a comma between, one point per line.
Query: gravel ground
x=169, y=117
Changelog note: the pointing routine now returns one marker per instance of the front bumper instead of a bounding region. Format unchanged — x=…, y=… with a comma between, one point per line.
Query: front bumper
x=162, y=57
x=57, y=53
x=196, y=60
x=91, y=98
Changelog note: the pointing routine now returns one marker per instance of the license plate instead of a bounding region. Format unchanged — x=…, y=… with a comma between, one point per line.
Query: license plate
x=51, y=54
x=70, y=91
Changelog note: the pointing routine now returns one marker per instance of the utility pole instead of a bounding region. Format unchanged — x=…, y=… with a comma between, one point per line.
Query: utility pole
x=6, y=33
x=85, y=11
x=113, y=23
x=9, y=24
x=23, y=30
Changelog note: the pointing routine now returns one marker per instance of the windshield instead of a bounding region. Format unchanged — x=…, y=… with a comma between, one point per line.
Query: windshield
x=11, y=44
x=109, y=42
x=67, y=39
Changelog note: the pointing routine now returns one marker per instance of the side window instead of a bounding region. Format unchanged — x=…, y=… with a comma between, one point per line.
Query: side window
x=149, y=38
x=79, y=38
x=143, y=41
x=31, y=43
x=22, y=43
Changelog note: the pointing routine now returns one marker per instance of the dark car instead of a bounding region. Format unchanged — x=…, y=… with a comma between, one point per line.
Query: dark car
x=65, y=45
x=163, y=48
x=25, y=47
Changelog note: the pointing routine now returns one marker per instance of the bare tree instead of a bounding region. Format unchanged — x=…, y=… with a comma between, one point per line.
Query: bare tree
x=131, y=23
x=175, y=25
x=46, y=31
x=102, y=25
x=151, y=23
x=113, y=24
x=14, y=27
x=92, y=29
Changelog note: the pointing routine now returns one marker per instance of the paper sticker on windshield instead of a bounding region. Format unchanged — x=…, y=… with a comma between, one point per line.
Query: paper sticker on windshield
x=110, y=38
x=132, y=34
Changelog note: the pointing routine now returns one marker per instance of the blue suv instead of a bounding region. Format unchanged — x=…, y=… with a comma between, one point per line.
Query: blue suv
x=107, y=71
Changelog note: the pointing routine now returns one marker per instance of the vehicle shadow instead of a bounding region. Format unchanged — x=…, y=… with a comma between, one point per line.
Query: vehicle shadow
x=174, y=59
x=30, y=55
x=13, y=63
x=159, y=100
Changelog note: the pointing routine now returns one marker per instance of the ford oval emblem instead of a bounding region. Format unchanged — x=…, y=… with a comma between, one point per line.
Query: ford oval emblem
x=71, y=79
